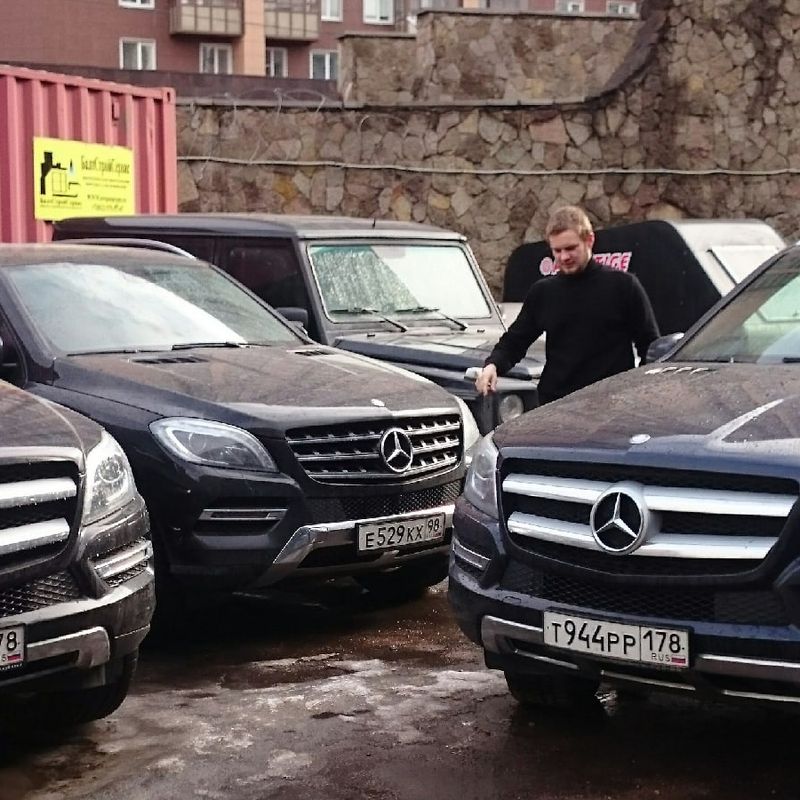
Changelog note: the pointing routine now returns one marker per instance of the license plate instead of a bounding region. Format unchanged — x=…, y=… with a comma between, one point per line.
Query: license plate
x=12, y=647
x=658, y=647
x=397, y=534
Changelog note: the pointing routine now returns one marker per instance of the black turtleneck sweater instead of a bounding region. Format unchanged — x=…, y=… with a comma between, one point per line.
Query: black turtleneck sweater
x=591, y=319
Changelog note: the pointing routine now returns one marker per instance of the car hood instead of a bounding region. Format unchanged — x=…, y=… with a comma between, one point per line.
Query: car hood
x=453, y=350
x=29, y=421
x=304, y=385
x=674, y=410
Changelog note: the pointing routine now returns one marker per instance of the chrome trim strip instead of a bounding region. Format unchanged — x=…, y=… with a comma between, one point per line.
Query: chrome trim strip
x=336, y=456
x=242, y=515
x=621, y=676
x=659, y=545
x=123, y=560
x=435, y=446
x=29, y=537
x=91, y=645
x=444, y=463
x=495, y=631
x=658, y=498
x=773, y=698
x=748, y=667
x=411, y=430
x=470, y=556
x=332, y=534
x=356, y=437
x=28, y=493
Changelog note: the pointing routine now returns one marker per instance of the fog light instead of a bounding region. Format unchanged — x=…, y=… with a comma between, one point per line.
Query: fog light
x=510, y=407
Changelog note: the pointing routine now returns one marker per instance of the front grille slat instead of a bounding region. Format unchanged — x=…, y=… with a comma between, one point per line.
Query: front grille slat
x=38, y=506
x=693, y=515
x=351, y=452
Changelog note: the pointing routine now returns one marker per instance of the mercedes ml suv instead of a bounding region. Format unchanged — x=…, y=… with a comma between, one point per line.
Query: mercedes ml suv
x=263, y=457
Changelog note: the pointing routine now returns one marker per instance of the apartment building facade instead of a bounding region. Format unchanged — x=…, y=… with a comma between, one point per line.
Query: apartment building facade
x=275, y=38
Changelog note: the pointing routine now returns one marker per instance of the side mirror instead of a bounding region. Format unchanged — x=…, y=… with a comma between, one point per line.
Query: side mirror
x=661, y=346
x=8, y=355
x=294, y=314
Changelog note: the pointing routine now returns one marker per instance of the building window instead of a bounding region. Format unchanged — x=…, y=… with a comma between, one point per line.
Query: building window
x=324, y=65
x=623, y=9
x=277, y=62
x=331, y=10
x=138, y=3
x=570, y=6
x=137, y=54
x=379, y=12
x=216, y=59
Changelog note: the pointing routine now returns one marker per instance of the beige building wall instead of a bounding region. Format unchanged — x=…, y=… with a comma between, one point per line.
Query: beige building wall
x=250, y=51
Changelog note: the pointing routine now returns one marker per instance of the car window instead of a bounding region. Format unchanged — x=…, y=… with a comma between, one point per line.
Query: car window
x=269, y=271
x=397, y=277
x=88, y=307
x=761, y=324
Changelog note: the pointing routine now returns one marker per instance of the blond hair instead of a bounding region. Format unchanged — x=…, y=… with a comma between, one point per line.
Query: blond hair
x=569, y=218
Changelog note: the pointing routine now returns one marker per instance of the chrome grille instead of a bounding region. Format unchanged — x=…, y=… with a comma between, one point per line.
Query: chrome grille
x=38, y=502
x=693, y=515
x=351, y=453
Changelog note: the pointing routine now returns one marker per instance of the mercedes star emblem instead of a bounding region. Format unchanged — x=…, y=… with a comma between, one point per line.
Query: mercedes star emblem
x=620, y=519
x=396, y=450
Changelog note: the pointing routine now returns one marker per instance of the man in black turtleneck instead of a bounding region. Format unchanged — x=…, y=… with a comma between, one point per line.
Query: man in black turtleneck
x=592, y=316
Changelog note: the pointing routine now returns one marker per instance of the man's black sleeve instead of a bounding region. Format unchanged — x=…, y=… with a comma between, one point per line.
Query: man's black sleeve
x=521, y=334
x=644, y=328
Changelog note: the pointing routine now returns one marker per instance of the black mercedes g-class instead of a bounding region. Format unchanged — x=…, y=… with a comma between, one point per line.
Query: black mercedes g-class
x=645, y=531
x=262, y=456
x=402, y=292
x=76, y=582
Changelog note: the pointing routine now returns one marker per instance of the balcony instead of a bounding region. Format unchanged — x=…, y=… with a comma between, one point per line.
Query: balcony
x=206, y=17
x=292, y=19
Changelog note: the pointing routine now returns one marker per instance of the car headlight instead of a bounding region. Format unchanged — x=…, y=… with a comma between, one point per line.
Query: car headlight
x=480, y=487
x=215, y=444
x=510, y=407
x=471, y=432
x=109, y=480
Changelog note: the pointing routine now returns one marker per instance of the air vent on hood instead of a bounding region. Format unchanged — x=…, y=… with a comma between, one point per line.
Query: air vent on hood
x=313, y=351
x=169, y=360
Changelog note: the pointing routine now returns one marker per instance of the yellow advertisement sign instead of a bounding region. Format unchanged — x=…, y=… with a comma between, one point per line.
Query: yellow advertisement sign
x=81, y=179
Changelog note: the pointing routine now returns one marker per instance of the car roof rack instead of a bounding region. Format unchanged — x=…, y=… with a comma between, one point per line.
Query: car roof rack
x=144, y=244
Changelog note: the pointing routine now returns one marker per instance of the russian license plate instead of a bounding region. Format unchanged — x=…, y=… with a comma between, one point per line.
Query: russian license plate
x=658, y=647
x=394, y=534
x=12, y=646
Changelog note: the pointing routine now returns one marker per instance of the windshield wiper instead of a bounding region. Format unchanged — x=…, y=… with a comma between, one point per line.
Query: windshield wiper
x=427, y=310
x=191, y=345
x=374, y=311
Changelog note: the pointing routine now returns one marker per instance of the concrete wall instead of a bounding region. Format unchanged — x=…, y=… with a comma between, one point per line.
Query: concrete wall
x=699, y=121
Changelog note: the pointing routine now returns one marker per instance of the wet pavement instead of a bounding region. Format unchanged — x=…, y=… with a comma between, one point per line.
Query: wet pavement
x=340, y=697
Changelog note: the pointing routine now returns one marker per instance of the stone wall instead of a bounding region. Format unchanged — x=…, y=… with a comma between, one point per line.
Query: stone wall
x=477, y=54
x=361, y=81
x=699, y=121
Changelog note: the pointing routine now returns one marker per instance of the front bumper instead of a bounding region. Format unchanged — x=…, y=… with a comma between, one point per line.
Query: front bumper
x=744, y=661
x=81, y=623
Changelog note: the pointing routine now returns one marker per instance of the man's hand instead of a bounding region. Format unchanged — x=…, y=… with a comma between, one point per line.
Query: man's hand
x=486, y=382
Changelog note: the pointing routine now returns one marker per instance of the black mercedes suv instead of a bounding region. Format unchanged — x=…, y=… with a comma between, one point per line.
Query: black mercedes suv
x=262, y=456
x=76, y=580
x=645, y=531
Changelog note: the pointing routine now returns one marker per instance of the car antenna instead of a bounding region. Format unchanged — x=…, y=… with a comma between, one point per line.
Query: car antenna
x=374, y=222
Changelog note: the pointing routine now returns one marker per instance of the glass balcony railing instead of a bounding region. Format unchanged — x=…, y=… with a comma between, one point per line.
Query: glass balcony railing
x=206, y=17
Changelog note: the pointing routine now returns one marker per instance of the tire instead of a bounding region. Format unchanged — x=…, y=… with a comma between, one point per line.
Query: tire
x=551, y=691
x=408, y=582
x=48, y=711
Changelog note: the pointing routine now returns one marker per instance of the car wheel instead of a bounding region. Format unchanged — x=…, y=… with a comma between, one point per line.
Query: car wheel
x=408, y=582
x=551, y=691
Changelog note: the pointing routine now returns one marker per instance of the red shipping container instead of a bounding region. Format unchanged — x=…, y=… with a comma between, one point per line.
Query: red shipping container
x=35, y=104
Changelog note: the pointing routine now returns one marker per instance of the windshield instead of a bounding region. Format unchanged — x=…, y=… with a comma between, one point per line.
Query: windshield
x=760, y=325
x=393, y=278
x=80, y=308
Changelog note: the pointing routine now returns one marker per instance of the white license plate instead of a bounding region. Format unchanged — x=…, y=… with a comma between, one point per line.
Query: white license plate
x=658, y=647
x=397, y=534
x=12, y=647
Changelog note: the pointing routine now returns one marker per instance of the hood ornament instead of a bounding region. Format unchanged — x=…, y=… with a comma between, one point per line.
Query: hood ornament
x=378, y=403
x=639, y=438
